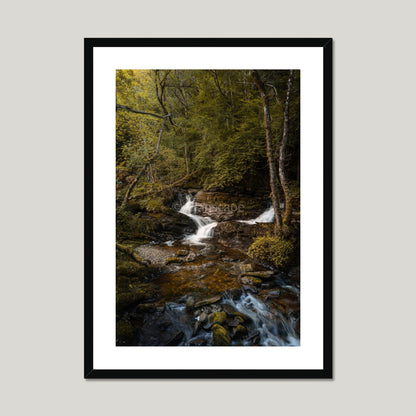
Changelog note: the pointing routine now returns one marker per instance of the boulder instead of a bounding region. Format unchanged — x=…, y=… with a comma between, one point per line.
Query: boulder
x=218, y=317
x=220, y=336
x=239, y=331
x=135, y=294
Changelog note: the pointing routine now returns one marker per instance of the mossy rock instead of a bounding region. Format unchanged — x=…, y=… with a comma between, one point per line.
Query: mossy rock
x=220, y=336
x=125, y=332
x=130, y=268
x=249, y=280
x=273, y=250
x=267, y=274
x=136, y=294
x=218, y=317
x=171, y=260
x=245, y=268
x=240, y=331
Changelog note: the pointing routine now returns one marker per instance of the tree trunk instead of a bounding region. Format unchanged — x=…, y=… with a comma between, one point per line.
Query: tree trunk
x=272, y=167
x=186, y=159
x=282, y=156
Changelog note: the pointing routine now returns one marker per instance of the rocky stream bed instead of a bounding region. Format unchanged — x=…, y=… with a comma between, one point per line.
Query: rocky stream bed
x=200, y=289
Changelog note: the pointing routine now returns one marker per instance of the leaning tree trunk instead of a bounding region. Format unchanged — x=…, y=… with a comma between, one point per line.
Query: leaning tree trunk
x=272, y=167
x=282, y=156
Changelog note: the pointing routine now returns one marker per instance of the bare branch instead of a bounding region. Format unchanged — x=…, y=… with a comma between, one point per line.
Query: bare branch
x=276, y=96
x=123, y=107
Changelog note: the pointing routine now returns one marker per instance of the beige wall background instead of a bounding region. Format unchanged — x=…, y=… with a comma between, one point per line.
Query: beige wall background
x=42, y=210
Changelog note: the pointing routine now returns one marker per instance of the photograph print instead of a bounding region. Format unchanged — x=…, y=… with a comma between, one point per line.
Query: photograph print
x=208, y=208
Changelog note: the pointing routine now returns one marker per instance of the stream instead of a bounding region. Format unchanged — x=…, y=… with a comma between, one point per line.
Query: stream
x=211, y=293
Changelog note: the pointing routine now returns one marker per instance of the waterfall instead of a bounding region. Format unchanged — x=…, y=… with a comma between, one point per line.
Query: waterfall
x=205, y=225
x=266, y=216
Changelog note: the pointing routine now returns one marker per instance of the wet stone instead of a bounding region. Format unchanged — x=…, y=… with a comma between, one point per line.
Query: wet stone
x=218, y=317
x=220, y=336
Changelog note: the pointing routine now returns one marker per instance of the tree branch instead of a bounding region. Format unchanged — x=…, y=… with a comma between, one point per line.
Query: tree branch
x=123, y=107
x=276, y=96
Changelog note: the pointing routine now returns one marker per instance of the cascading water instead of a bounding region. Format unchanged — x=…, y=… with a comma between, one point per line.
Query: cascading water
x=272, y=330
x=205, y=225
x=265, y=217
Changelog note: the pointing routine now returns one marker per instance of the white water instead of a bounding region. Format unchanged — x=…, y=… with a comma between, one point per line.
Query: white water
x=272, y=331
x=205, y=225
x=266, y=216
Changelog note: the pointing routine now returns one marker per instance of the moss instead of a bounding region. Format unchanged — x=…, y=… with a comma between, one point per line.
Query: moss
x=273, y=250
x=240, y=331
x=134, y=295
x=220, y=336
x=131, y=226
x=130, y=268
x=155, y=205
x=255, y=281
x=174, y=260
x=218, y=317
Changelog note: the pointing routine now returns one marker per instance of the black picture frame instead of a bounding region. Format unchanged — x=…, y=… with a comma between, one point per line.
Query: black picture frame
x=89, y=371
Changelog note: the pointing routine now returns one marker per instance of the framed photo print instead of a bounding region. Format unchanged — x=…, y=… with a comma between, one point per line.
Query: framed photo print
x=208, y=208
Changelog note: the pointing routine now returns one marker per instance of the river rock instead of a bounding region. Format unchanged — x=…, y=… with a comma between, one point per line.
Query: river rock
x=239, y=331
x=190, y=257
x=207, y=301
x=245, y=268
x=182, y=253
x=136, y=294
x=190, y=302
x=218, y=317
x=235, y=321
x=172, y=260
x=249, y=280
x=220, y=336
x=203, y=317
x=198, y=342
x=262, y=274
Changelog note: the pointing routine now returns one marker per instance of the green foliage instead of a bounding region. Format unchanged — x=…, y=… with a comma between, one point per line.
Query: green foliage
x=155, y=205
x=217, y=126
x=273, y=250
x=132, y=225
